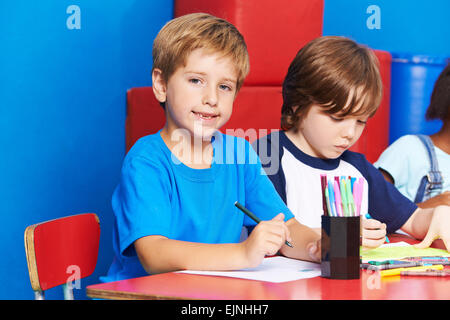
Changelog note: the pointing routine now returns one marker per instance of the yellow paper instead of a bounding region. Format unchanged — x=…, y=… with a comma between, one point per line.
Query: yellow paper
x=400, y=252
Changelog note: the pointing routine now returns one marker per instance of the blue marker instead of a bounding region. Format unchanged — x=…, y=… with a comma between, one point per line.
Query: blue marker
x=369, y=217
x=352, y=180
x=332, y=200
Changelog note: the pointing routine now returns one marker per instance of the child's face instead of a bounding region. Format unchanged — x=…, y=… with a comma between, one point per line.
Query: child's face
x=327, y=136
x=199, y=96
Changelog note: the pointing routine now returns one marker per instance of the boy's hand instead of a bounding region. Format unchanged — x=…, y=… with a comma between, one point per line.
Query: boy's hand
x=266, y=239
x=373, y=233
x=314, y=250
x=439, y=228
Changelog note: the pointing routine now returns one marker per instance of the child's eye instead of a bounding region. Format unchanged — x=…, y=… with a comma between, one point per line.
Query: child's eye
x=336, y=118
x=225, y=87
x=362, y=122
x=195, y=81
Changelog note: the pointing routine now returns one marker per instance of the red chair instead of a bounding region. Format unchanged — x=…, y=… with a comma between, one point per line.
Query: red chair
x=60, y=251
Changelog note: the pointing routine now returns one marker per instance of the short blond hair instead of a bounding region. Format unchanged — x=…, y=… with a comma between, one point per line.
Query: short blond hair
x=182, y=35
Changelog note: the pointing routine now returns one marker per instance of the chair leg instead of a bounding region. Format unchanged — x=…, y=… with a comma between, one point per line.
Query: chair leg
x=39, y=295
x=68, y=292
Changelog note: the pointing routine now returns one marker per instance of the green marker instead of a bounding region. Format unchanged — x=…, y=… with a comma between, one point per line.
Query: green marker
x=351, y=203
x=344, y=198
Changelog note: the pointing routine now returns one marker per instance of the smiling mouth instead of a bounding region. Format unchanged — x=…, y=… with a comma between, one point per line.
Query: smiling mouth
x=205, y=116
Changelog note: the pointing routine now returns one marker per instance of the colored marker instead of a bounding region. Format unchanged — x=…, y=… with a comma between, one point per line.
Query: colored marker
x=369, y=217
x=428, y=258
x=351, y=203
x=336, y=178
x=332, y=199
x=397, y=271
x=254, y=218
x=344, y=198
x=360, y=194
x=327, y=200
x=379, y=263
x=337, y=195
x=323, y=183
x=357, y=198
x=396, y=265
x=431, y=261
x=353, y=180
x=428, y=272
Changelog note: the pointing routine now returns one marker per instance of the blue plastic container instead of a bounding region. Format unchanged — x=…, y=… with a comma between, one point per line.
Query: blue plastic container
x=412, y=82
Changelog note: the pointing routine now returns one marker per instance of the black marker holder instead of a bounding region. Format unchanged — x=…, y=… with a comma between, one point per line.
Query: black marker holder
x=340, y=247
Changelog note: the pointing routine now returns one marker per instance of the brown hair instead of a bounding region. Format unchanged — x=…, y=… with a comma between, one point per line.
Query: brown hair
x=440, y=97
x=335, y=73
x=180, y=36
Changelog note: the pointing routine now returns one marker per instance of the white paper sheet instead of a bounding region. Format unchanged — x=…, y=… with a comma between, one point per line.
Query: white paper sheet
x=272, y=269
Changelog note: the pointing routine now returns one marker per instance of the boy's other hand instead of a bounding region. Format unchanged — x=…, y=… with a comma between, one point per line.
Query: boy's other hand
x=439, y=228
x=266, y=239
x=373, y=233
x=314, y=250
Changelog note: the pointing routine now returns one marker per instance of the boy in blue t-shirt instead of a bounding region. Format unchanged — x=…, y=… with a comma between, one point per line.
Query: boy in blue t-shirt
x=331, y=89
x=174, y=206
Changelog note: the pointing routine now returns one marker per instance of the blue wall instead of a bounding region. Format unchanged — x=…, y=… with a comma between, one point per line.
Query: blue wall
x=62, y=113
x=406, y=28
x=412, y=26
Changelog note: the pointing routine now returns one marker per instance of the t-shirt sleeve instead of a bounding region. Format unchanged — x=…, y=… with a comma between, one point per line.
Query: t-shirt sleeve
x=270, y=153
x=260, y=194
x=386, y=203
x=395, y=159
x=141, y=202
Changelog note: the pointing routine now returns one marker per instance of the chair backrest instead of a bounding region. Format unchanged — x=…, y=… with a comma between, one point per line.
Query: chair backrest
x=62, y=250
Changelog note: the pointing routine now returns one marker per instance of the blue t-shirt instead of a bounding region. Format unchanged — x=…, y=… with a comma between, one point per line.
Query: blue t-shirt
x=296, y=177
x=159, y=195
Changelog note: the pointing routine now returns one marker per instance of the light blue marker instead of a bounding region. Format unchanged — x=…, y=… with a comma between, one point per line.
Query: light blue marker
x=332, y=200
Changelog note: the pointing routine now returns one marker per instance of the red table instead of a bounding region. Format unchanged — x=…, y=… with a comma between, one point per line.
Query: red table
x=189, y=286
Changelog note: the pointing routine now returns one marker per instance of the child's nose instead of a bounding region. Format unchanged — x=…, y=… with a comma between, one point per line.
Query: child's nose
x=349, y=130
x=210, y=96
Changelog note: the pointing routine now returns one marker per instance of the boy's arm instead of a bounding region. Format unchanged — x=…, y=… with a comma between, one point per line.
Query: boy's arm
x=305, y=241
x=159, y=254
x=430, y=224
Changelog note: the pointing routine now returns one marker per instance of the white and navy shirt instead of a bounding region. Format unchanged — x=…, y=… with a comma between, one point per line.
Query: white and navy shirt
x=296, y=177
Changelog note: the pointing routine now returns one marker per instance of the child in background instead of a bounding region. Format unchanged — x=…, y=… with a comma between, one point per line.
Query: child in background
x=174, y=206
x=406, y=161
x=331, y=89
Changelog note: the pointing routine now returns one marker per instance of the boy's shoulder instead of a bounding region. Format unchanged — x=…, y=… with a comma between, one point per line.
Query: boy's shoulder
x=227, y=146
x=357, y=159
x=149, y=147
x=406, y=143
x=271, y=140
x=352, y=156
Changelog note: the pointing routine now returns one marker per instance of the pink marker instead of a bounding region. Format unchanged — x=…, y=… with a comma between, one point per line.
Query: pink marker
x=359, y=195
x=356, y=194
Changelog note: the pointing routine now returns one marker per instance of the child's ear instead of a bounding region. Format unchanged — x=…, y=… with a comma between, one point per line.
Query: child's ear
x=159, y=85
